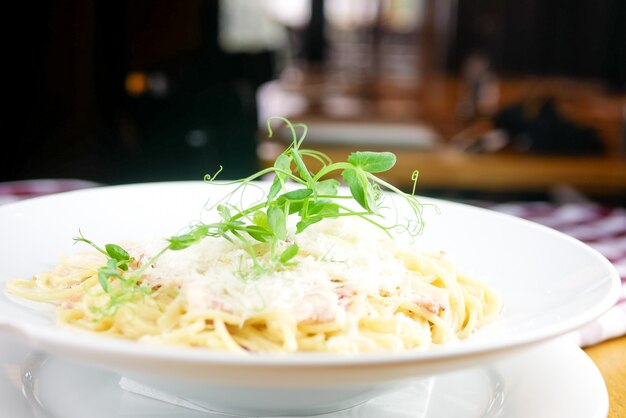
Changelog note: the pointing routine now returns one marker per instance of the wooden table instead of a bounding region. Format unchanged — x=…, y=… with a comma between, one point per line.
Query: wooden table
x=448, y=169
x=610, y=357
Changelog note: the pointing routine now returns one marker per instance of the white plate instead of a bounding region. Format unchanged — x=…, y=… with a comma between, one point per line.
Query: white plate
x=550, y=283
x=552, y=380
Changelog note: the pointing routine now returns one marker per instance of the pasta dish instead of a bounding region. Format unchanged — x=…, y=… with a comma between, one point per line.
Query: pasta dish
x=296, y=271
x=351, y=289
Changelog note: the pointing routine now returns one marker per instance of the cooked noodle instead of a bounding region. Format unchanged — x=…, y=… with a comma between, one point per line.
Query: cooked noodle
x=350, y=289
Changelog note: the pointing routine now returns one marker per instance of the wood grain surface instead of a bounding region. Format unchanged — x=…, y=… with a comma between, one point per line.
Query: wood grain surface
x=610, y=357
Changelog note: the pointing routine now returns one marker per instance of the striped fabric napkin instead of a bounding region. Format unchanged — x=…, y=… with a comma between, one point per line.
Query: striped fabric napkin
x=601, y=227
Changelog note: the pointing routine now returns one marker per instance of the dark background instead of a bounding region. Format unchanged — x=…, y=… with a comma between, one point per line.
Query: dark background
x=581, y=38
x=67, y=113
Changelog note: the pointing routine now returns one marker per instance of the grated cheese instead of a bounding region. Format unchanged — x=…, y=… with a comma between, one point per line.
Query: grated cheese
x=337, y=260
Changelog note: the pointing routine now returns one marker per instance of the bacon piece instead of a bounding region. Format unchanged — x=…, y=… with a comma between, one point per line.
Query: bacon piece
x=430, y=305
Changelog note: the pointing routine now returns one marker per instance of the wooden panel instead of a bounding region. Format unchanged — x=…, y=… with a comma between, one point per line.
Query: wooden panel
x=506, y=173
x=610, y=359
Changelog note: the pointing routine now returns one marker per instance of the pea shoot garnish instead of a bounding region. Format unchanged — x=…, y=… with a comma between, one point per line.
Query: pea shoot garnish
x=297, y=198
x=128, y=286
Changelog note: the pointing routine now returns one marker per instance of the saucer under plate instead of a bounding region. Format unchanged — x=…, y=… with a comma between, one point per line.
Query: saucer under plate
x=550, y=380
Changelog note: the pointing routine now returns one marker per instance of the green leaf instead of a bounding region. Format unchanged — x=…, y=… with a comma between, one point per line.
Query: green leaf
x=327, y=187
x=116, y=252
x=295, y=207
x=260, y=218
x=305, y=223
x=103, y=278
x=112, y=267
x=289, y=253
x=362, y=191
x=299, y=194
x=300, y=166
x=277, y=186
x=277, y=222
x=283, y=163
x=183, y=241
x=357, y=187
x=258, y=233
x=373, y=162
x=323, y=208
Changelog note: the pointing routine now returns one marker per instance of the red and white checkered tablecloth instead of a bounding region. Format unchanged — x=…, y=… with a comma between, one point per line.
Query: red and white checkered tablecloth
x=601, y=227
x=18, y=190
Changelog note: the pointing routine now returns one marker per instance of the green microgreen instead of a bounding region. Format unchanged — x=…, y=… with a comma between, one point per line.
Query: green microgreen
x=128, y=286
x=297, y=198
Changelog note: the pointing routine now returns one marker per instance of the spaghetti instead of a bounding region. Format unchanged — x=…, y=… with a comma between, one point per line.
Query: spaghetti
x=350, y=289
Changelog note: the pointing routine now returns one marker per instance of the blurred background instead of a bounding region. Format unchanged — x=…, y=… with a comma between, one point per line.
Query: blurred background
x=487, y=98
